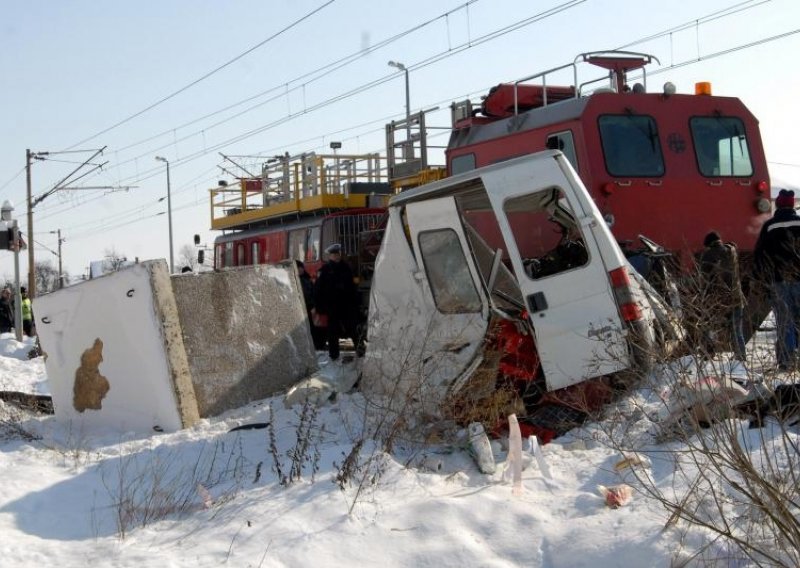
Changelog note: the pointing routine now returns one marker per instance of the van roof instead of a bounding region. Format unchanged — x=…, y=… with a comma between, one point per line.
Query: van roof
x=451, y=184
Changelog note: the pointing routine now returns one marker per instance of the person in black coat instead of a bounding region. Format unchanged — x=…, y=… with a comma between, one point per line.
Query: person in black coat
x=777, y=264
x=6, y=311
x=336, y=296
x=317, y=334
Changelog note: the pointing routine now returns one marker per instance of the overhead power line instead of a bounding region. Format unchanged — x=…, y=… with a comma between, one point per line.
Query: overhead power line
x=205, y=76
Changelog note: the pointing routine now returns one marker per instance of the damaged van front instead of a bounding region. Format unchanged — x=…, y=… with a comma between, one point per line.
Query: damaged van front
x=504, y=279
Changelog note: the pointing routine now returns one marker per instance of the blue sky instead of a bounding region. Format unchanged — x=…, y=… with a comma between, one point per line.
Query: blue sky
x=73, y=69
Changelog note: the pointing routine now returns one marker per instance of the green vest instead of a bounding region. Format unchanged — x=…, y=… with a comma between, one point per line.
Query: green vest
x=27, y=312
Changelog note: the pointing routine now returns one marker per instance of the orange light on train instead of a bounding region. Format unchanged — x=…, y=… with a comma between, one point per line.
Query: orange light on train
x=702, y=88
x=762, y=186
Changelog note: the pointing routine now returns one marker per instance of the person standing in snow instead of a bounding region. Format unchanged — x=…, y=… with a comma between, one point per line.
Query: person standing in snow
x=27, y=313
x=723, y=300
x=308, y=297
x=6, y=311
x=777, y=264
x=336, y=296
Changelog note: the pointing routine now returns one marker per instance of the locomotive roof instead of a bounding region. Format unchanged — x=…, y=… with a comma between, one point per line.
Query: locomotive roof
x=528, y=120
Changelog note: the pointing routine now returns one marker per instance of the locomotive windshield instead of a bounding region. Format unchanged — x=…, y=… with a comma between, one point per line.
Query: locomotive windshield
x=720, y=145
x=630, y=145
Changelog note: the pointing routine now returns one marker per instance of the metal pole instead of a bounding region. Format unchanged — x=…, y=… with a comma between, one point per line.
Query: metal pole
x=60, y=271
x=408, y=115
x=31, y=279
x=17, y=293
x=169, y=214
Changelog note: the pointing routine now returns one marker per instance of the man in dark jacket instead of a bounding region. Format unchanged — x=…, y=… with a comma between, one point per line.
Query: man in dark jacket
x=6, y=311
x=777, y=263
x=722, y=297
x=317, y=334
x=336, y=296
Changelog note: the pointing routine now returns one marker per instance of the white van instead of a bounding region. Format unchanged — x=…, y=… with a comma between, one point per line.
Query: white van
x=520, y=241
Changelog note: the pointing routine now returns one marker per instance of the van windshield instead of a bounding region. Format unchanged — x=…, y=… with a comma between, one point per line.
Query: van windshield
x=630, y=145
x=720, y=145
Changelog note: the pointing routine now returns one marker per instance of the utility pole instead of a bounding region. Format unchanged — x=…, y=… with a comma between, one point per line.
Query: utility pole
x=60, y=272
x=60, y=185
x=31, y=278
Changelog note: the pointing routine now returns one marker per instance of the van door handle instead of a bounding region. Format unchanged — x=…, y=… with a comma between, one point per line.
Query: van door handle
x=537, y=302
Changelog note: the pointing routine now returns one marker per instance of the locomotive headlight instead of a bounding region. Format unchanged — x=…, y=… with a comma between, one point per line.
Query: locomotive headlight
x=763, y=205
x=669, y=89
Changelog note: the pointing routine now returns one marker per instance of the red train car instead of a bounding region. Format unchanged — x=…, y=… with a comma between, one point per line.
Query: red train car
x=668, y=166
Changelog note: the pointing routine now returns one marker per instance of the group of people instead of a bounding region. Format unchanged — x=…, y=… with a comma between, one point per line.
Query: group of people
x=332, y=302
x=776, y=266
x=7, y=318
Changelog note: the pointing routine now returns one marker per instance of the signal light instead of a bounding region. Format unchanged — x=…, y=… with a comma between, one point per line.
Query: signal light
x=762, y=186
x=619, y=277
x=608, y=188
x=763, y=205
x=702, y=88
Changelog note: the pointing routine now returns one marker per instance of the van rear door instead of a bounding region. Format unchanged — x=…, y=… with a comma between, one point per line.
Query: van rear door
x=562, y=261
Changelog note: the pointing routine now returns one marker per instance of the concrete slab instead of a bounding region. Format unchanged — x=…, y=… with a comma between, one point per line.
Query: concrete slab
x=245, y=332
x=114, y=359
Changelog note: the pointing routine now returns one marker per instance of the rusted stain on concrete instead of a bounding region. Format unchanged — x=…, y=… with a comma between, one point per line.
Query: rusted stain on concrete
x=90, y=386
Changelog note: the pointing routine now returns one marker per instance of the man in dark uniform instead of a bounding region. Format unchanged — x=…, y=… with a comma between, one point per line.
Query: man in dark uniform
x=6, y=311
x=777, y=263
x=336, y=296
x=722, y=297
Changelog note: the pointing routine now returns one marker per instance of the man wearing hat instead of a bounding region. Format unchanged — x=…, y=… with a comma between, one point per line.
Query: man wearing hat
x=777, y=263
x=721, y=293
x=336, y=296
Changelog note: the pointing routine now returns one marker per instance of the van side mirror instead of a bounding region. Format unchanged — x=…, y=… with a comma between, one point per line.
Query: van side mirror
x=201, y=256
x=196, y=240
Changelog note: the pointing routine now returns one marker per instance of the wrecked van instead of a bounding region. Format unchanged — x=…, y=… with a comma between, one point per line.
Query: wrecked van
x=506, y=280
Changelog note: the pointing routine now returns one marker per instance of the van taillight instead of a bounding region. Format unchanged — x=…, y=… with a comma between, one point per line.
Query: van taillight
x=621, y=283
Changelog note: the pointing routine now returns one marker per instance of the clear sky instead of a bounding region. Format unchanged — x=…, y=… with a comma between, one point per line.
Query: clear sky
x=74, y=69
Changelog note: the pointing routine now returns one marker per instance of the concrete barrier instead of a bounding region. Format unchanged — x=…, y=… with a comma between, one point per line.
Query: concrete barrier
x=246, y=334
x=142, y=350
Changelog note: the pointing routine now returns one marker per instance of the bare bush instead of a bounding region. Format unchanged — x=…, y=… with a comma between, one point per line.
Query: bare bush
x=304, y=455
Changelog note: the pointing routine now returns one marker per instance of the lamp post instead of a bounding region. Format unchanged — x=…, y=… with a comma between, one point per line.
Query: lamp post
x=169, y=214
x=409, y=144
x=5, y=216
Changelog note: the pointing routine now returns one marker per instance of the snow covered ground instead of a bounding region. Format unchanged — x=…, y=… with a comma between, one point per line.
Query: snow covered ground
x=209, y=496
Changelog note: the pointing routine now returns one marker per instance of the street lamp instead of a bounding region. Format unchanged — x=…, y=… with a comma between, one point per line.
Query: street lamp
x=5, y=215
x=169, y=214
x=409, y=144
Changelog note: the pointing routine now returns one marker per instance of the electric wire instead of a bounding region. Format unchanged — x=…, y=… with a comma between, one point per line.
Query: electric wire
x=206, y=75
x=764, y=40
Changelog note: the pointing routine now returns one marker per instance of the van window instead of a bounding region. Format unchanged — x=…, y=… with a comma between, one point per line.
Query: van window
x=448, y=274
x=563, y=141
x=463, y=163
x=631, y=146
x=547, y=236
x=720, y=145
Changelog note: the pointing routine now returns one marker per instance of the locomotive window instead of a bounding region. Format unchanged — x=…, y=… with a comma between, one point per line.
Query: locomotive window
x=720, y=145
x=448, y=274
x=631, y=146
x=563, y=141
x=313, y=243
x=463, y=163
x=228, y=254
x=255, y=250
x=297, y=244
x=240, y=260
